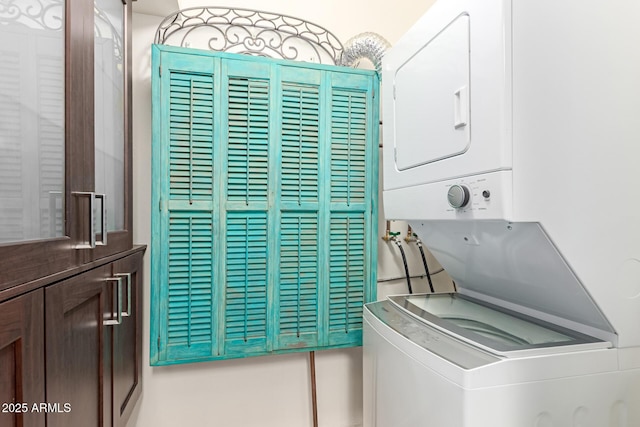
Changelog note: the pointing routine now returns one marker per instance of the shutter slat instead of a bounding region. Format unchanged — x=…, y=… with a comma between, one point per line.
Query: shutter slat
x=347, y=271
x=300, y=129
x=190, y=280
x=348, y=140
x=298, y=288
x=248, y=107
x=246, y=277
x=191, y=138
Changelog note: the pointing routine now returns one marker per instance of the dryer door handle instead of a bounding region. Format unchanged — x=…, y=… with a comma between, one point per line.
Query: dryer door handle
x=461, y=107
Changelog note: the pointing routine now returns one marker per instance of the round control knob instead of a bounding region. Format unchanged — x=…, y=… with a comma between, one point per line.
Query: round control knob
x=458, y=196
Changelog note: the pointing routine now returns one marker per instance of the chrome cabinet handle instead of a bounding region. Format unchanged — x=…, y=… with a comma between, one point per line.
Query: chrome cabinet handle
x=103, y=241
x=118, y=319
x=92, y=231
x=128, y=277
x=92, y=228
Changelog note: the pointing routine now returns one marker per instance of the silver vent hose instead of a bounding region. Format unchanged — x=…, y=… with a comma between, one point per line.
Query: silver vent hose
x=371, y=46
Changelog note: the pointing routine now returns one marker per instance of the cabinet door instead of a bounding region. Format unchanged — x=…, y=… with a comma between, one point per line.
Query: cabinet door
x=111, y=173
x=75, y=311
x=41, y=138
x=65, y=136
x=22, y=360
x=127, y=341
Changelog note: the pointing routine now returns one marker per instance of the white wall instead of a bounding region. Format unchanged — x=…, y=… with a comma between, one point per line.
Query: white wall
x=271, y=390
x=344, y=18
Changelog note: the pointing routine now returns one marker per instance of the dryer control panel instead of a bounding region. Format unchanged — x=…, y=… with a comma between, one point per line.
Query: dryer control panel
x=486, y=196
x=472, y=194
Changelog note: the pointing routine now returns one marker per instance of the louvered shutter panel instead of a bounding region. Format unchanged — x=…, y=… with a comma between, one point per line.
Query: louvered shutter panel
x=189, y=299
x=298, y=285
x=184, y=226
x=350, y=216
x=348, y=275
x=300, y=124
x=348, y=146
x=247, y=104
x=297, y=297
x=246, y=282
x=191, y=124
x=265, y=179
x=248, y=139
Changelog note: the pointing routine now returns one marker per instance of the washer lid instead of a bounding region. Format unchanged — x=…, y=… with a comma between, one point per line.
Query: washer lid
x=492, y=328
x=515, y=266
x=427, y=337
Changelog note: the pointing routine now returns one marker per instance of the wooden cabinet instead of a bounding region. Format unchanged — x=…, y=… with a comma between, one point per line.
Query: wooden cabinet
x=93, y=357
x=74, y=315
x=66, y=132
x=22, y=360
x=70, y=289
x=126, y=355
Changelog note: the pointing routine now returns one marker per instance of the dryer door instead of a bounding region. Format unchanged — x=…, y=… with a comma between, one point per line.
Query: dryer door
x=446, y=93
x=432, y=121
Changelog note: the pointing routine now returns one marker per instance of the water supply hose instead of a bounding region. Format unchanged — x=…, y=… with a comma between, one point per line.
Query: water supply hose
x=424, y=261
x=404, y=261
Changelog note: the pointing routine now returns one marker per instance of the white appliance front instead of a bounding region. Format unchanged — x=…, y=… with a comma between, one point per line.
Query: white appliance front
x=447, y=95
x=518, y=170
x=417, y=376
x=437, y=79
x=553, y=89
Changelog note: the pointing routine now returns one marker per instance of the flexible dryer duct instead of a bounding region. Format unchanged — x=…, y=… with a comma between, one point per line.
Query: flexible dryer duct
x=371, y=46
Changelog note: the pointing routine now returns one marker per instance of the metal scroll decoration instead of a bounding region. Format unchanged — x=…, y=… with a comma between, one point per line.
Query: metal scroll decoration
x=34, y=14
x=104, y=29
x=250, y=32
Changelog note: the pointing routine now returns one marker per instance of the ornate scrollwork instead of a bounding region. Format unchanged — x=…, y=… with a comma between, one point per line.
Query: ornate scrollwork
x=104, y=29
x=37, y=14
x=249, y=32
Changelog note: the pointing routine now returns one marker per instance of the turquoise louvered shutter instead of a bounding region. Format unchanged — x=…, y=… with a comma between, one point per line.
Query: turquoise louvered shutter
x=245, y=147
x=265, y=183
x=245, y=303
x=351, y=216
x=348, y=146
x=298, y=300
x=300, y=129
x=248, y=137
x=183, y=246
x=189, y=303
x=348, y=276
x=298, y=290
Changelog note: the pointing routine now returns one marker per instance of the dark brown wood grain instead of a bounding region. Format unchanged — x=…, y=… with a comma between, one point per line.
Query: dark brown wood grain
x=127, y=345
x=54, y=348
x=119, y=241
x=28, y=261
x=74, y=314
x=95, y=368
x=22, y=360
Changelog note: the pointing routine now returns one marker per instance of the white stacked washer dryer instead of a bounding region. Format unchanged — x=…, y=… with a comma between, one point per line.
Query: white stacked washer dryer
x=511, y=132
